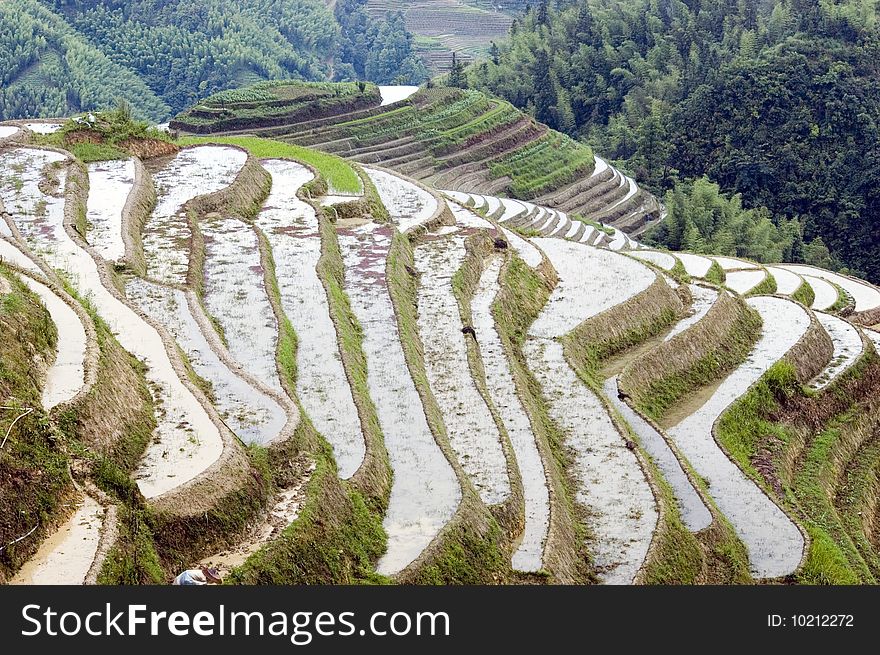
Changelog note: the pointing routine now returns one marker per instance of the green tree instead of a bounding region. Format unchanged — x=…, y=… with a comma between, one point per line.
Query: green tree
x=457, y=77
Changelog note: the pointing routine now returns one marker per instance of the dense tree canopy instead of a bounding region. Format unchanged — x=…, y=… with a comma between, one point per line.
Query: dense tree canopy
x=60, y=56
x=777, y=100
x=379, y=51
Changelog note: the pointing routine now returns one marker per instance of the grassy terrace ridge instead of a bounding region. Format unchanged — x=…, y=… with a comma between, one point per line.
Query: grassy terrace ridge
x=805, y=450
x=102, y=136
x=269, y=104
x=428, y=136
x=34, y=479
x=338, y=173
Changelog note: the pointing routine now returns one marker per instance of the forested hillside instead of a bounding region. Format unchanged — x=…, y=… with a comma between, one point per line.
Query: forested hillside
x=777, y=100
x=63, y=56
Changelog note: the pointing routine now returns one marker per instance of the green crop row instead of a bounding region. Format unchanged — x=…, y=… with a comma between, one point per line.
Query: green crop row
x=273, y=90
x=339, y=174
x=544, y=165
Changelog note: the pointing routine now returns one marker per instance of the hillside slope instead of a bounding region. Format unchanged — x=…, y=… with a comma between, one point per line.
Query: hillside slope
x=528, y=398
x=61, y=57
x=765, y=98
x=448, y=138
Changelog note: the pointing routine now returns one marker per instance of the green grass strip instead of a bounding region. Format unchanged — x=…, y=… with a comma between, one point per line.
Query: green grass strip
x=339, y=174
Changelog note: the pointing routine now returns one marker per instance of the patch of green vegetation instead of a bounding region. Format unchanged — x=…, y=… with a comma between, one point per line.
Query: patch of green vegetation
x=133, y=559
x=339, y=174
x=544, y=164
x=843, y=299
x=716, y=274
x=747, y=425
x=661, y=395
x=101, y=136
x=34, y=478
x=596, y=225
x=805, y=294
x=677, y=556
x=767, y=287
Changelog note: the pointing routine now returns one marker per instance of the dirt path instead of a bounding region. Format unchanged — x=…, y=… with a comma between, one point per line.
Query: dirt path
x=283, y=511
x=67, y=555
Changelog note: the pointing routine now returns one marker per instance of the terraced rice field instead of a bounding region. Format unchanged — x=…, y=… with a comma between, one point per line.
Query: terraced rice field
x=43, y=128
x=866, y=296
x=590, y=281
x=235, y=295
x=7, y=131
x=425, y=493
x=291, y=228
x=611, y=483
x=186, y=441
x=662, y=259
x=66, y=557
x=506, y=450
x=392, y=94
x=410, y=206
x=38, y=216
x=469, y=423
x=848, y=348
x=525, y=249
x=194, y=172
x=786, y=281
x=502, y=389
x=110, y=183
x=825, y=292
x=694, y=513
x=874, y=336
x=702, y=300
x=774, y=543
x=695, y=265
x=744, y=281
x=733, y=264
x=11, y=254
x=253, y=414
x=66, y=375
x=466, y=142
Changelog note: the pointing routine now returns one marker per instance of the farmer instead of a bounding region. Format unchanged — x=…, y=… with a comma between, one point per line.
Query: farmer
x=199, y=576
